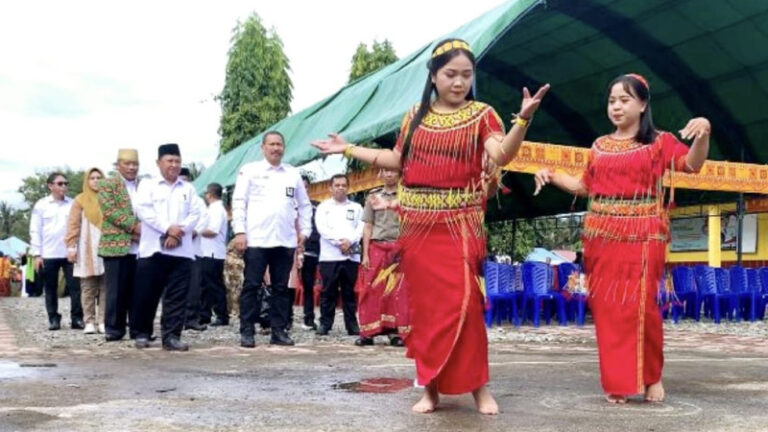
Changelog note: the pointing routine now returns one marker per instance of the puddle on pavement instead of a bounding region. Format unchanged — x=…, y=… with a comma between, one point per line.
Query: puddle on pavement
x=9, y=369
x=375, y=385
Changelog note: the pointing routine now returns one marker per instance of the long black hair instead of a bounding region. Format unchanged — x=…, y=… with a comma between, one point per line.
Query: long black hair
x=434, y=65
x=637, y=86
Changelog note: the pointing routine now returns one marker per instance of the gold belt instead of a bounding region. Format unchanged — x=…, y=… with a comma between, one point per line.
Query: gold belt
x=624, y=207
x=438, y=199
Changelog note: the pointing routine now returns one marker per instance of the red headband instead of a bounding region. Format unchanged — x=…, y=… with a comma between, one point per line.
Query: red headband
x=640, y=78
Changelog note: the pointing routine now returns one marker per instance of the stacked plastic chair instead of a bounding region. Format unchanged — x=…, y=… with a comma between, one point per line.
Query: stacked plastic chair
x=685, y=292
x=747, y=300
x=723, y=277
x=577, y=303
x=763, y=278
x=755, y=286
x=510, y=297
x=537, y=288
x=709, y=295
x=491, y=275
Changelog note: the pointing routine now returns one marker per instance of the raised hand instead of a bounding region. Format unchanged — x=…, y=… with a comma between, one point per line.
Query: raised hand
x=334, y=144
x=530, y=104
x=542, y=178
x=696, y=128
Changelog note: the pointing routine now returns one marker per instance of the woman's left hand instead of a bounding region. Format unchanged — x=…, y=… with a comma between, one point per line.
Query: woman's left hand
x=696, y=128
x=531, y=103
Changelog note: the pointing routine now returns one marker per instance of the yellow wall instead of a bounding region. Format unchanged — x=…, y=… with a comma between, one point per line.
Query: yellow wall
x=703, y=256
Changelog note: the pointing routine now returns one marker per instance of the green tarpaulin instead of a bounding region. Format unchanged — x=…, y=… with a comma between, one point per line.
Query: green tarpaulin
x=702, y=57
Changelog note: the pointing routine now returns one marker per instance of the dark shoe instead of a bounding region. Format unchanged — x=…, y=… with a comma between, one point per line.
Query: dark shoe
x=195, y=326
x=396, y=341
x=109, y=337
x=247, y=341
x=174, y=344
x=78, y=324
x=141, y=342
x=363, y=341
x=280, y=337
x=54, y=323
x=322, y=331
x=219, y=323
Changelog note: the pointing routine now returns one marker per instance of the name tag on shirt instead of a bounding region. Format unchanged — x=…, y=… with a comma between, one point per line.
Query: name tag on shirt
x=289, y=192
x=350, y=214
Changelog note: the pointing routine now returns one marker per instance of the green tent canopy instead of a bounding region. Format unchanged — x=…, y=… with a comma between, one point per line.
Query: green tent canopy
x=702, y=58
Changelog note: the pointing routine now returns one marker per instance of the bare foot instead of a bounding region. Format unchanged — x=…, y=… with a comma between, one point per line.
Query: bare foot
x=485, y=402
x=616, y=399
x=654, y=392
x=428, y=402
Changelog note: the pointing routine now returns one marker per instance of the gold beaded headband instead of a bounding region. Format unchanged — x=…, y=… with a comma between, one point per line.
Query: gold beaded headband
x=448, y=46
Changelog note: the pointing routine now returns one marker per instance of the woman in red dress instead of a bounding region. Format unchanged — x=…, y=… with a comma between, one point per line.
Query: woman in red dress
x=444, y=144
x=626, y=231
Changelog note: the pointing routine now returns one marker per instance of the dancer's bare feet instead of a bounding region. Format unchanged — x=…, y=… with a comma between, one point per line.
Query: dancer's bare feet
x=654, y=392
x=429, y=401
x=616, y=399
x=485, y=402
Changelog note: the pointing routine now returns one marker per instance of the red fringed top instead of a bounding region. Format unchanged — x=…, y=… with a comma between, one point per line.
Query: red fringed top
x=623, y=178
x=447, y=148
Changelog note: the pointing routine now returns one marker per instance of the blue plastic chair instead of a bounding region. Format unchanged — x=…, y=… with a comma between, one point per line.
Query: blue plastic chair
x=747, y=300
x=723, y=277
x=685, y=292
x=763, y=278
x=491, y=275
x=510, y=297
x=577, y=304
x=709, y=296
x=537, y=288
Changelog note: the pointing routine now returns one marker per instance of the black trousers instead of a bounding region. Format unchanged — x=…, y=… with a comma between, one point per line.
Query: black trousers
x=51, y=277
x=214, y=292
x=194, y=293
x=308, y=271
x=119, y=275
x=280, y=261
x=339, y=276
x=160, y=276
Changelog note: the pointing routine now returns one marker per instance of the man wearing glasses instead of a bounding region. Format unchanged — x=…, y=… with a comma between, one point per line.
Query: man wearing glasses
x=47, y=227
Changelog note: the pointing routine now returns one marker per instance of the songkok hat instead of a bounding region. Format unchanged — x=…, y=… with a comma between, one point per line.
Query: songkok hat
x=168, y=149
x=128, y=155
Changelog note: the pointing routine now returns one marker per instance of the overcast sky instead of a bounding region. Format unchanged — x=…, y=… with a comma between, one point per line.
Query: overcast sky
x=80, y=79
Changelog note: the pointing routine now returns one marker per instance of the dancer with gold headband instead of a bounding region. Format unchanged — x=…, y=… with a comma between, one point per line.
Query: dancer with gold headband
x=626, y=231
x=444, y=144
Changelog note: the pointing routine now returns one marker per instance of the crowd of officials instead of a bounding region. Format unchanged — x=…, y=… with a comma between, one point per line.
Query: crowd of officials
x=125, y=244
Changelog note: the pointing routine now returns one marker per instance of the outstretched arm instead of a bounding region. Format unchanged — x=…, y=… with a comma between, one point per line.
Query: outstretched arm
x=563, y=181
x=382, y=158
x=503, y=150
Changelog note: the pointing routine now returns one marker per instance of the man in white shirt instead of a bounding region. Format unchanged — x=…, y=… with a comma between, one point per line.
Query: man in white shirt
x=168, y=212
x=267, y=196
x=119, y=242
x=340, y=226
x=214, y=249
x=47, y=227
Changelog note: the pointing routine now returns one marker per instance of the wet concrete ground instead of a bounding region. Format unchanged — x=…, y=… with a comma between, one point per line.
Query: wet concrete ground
x=714, y=383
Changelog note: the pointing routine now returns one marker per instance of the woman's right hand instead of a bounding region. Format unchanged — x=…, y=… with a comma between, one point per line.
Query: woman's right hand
x=542, y=178
x=334, y=144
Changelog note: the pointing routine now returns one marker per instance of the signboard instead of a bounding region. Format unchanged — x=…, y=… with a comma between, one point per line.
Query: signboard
x=690, y=234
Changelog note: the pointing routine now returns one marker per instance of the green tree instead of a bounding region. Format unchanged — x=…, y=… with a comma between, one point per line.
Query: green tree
x=365, y=61
x=13, y=222
x=35, y=187
x=195, y=169
x=257, y=89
